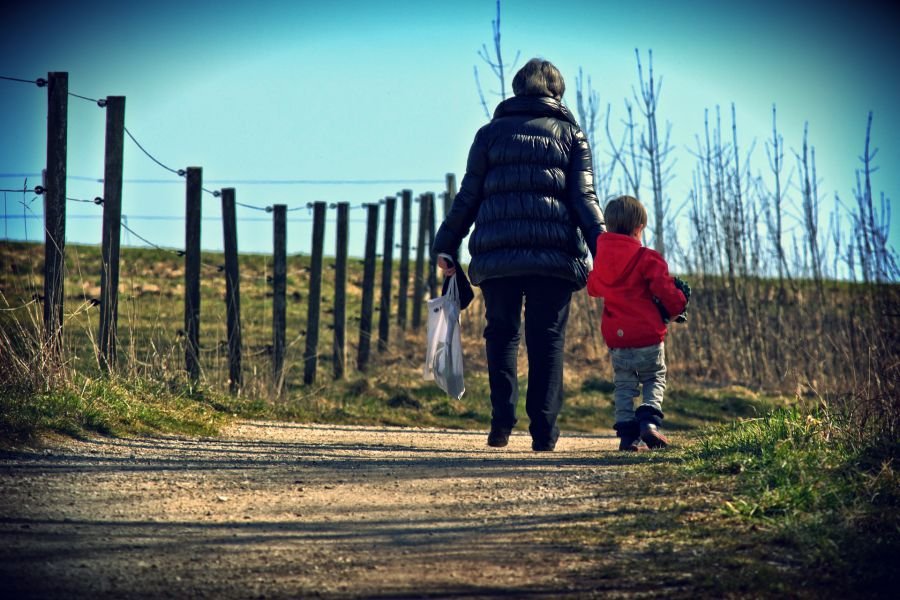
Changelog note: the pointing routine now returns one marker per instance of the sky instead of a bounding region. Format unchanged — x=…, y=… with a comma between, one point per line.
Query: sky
x=358, y=91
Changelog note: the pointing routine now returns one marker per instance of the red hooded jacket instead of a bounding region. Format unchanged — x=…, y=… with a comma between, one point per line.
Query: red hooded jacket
x=627, y=283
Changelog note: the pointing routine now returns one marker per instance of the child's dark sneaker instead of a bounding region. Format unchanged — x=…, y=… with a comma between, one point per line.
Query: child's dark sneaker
x=630, y=444
x=498, y=437
x=651, y=436
x=629, y=435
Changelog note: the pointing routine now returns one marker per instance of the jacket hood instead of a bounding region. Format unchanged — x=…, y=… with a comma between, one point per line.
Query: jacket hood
x=540, y=106
x=615, y=252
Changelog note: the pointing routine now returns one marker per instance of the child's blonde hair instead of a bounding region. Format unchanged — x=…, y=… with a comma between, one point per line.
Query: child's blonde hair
x=625, y=214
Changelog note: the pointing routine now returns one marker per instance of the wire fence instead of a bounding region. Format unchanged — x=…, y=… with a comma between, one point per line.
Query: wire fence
x=52, y=297
x=101, y=102
x=38, y=190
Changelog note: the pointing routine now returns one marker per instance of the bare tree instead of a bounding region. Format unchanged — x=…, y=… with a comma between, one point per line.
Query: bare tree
x=632, y=170
x=742, y=235
x=810, y=205
x=877, y=260
x=655, y=151
x=775, y=152
x=587, y=102
x=496, y=64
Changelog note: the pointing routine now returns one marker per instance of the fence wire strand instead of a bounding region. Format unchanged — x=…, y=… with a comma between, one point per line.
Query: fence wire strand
x=179, y=172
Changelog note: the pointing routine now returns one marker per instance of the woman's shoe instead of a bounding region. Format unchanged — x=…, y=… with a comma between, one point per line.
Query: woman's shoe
x=498, y=437
x=543, y=446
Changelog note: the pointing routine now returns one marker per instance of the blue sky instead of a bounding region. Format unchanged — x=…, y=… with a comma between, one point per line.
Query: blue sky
x=384, y=90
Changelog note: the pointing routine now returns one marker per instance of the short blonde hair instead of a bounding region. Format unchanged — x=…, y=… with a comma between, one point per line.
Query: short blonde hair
x=539, y=78
x=624, y=214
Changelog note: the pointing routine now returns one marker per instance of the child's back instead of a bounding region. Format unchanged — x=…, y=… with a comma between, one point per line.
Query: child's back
x=627, y=276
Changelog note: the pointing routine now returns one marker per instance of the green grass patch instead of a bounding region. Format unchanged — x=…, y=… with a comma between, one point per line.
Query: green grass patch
x=796, y=474
x=777, y=505
x=109, y=406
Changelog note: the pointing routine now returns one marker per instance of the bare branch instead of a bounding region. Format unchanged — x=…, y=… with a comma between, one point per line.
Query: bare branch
x=484, y=105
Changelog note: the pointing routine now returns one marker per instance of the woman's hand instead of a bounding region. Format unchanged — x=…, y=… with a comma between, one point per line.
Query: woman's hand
x=447, y=266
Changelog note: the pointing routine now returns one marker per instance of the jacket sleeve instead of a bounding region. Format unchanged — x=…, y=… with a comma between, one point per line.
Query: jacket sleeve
x=581, y=197
x=462, y=213
x=662, y=285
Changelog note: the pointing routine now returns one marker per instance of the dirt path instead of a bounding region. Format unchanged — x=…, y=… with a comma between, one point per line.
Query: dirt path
x=284, y=510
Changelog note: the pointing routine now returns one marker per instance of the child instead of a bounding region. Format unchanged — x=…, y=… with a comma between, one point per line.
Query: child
x=632, y=280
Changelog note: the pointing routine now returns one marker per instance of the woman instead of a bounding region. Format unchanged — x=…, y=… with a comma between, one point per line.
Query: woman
x=529, y=191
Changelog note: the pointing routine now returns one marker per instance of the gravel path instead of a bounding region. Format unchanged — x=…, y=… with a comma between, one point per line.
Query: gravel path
x=287, y=510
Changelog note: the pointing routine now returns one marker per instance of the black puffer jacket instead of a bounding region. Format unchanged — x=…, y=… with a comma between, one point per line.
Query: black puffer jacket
x=529, y=190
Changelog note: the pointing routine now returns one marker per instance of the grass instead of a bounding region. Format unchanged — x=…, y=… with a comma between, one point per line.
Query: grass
x=783, y=504
x=804, y=484
x=107, y=406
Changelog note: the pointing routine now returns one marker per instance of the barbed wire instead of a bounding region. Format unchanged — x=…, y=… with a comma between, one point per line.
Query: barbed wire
x=215, y=193
x=213, y=268
x=267, y=209
x=97, y=200
x=243, y=181
x=101, y=102
x=35, y=216
x=146, y=241
x=179, y=172
x=39, y=82
x=324, y=181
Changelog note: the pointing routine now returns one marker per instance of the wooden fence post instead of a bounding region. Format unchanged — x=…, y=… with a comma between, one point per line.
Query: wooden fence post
x=403, y=284
x=232, y=290
x=432, y=259
x=419, y=276
x=55, y=208
x=450, y=194
x=112, y=229
x=311, y=357
x=279, y=285
x=449, y=197
x=194, y=190
x=368, y=298
x=384, y=318
x=340, y=289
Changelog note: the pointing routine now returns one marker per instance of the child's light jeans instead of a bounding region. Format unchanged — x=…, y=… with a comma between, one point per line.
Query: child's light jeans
x=634, y=367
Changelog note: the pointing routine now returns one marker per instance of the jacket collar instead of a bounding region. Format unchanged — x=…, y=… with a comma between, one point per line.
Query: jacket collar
x=540, y=106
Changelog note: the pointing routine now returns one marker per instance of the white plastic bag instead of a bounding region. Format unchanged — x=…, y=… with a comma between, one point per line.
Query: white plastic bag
x=443, y=352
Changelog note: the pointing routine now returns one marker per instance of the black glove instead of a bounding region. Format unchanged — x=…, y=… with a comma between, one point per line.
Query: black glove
x=682, y=285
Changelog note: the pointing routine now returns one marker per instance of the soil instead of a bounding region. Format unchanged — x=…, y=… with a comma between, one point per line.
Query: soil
x=283, y=510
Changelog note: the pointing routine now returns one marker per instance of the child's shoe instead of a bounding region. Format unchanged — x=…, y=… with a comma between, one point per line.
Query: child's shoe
x=651, y=436
x=630, y=444
x=629, y=436
x=650, y=419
